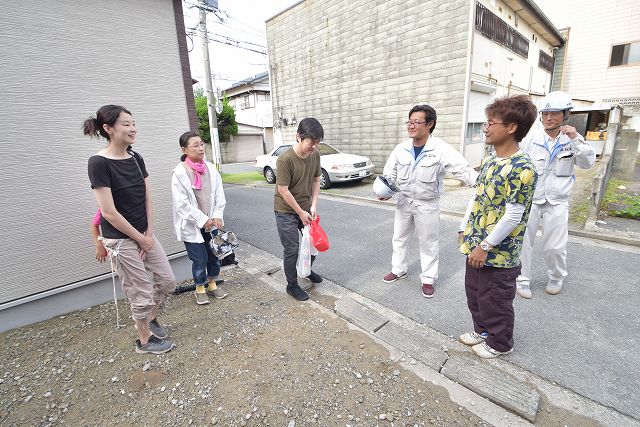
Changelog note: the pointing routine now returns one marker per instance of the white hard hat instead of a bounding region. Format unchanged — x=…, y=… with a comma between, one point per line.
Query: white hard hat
x=384, y=187
x=556, y=101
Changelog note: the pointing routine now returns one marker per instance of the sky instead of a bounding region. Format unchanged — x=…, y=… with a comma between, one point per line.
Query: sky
x=557, y=16
x=239, y=22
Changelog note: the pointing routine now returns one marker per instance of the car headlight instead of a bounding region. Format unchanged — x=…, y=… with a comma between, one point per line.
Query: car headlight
x=342, y=167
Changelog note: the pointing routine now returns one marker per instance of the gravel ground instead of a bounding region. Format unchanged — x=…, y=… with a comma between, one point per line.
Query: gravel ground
x=254, y=358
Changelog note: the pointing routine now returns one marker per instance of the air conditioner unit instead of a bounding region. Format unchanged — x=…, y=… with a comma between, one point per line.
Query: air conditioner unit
x=483, y=87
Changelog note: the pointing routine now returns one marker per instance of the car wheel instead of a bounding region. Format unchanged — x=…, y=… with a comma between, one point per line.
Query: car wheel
x=269, y=175
x=324, y=180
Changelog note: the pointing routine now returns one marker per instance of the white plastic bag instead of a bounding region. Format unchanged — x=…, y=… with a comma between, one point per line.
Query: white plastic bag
x=304, y=254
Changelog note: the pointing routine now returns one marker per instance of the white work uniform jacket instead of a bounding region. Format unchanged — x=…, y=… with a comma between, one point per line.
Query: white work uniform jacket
x=421, y=178
x=555, y=164
x=187, y=218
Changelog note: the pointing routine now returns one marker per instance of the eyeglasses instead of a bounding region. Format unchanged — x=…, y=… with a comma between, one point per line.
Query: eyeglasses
x=198, y=145
x=410, y=123
x=487, y=125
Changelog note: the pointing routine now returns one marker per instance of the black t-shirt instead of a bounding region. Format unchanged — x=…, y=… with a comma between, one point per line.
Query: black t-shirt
x=125, y=178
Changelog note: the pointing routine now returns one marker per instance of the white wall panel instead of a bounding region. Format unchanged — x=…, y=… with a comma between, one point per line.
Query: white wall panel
x=59, y=61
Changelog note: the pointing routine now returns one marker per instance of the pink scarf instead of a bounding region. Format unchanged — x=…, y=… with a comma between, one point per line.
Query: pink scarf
x=198, y=169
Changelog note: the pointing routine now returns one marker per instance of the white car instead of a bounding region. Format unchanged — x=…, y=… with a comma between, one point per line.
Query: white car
x=336, y=165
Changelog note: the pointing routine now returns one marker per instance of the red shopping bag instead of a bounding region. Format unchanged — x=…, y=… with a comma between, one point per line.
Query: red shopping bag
x=319, y=238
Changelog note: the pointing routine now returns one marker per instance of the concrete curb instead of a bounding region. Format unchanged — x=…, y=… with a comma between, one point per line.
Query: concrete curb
x=494, y=384
x=607, y=237
x=501, y=382
x=431, y=348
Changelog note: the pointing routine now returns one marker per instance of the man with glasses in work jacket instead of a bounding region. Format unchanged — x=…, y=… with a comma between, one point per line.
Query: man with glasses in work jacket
x=417, y=166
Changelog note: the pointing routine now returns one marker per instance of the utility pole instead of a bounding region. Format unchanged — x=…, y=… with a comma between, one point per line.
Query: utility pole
x=211, y=99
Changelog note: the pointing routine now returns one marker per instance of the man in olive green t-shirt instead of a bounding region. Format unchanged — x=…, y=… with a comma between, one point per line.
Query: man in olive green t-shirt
x=295, y=203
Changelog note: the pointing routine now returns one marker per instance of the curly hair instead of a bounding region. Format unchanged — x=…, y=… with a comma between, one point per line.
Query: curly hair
x=518, y=110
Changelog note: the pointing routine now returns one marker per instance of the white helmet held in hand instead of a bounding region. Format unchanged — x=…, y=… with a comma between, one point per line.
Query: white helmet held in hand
x=557, y=101
x=384, y=187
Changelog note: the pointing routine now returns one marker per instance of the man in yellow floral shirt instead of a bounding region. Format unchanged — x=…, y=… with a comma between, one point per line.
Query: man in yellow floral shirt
x=493, y=229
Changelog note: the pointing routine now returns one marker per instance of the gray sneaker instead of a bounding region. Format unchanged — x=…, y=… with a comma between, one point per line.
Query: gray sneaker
x=217, y=293
x=158, y=330
x=154, y=346
x=202, y=298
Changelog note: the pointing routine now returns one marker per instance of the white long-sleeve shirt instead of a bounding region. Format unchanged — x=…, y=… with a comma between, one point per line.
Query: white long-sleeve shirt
x=187, y=218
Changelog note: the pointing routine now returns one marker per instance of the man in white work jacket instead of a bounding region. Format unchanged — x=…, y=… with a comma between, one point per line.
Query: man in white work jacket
x=555, y=149
x=417, y=166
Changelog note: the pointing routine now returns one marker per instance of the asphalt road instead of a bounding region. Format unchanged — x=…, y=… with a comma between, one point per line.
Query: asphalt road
x=585, y=338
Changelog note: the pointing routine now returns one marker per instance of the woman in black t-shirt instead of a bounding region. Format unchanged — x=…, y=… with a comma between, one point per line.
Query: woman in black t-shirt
x=119, y=180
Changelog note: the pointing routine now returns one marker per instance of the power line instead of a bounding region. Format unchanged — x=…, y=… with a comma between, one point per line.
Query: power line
x=232, y=42
x=235, y=45
x=244, y=27
x=238, y=41
x=245, y=24
x=238, y=29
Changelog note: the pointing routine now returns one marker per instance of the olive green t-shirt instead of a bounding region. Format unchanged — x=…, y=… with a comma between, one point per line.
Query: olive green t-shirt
x=297, y=174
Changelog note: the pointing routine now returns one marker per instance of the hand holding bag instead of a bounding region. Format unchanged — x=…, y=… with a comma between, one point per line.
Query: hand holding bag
x=304, y=254
x=223, y=243
x=319, y=238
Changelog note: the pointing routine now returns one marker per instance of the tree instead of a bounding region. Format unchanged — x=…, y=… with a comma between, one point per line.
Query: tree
x=227, y=125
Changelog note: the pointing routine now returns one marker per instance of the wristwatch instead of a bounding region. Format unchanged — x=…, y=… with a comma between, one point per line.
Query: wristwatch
x=485, y=246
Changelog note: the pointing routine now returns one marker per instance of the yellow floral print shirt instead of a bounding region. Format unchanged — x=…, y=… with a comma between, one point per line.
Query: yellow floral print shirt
x=501, y=181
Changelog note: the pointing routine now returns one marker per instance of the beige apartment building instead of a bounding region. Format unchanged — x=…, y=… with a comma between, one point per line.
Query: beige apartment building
x=359, y=66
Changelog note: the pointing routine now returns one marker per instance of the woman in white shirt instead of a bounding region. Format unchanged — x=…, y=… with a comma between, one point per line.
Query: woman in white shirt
x=198, y=206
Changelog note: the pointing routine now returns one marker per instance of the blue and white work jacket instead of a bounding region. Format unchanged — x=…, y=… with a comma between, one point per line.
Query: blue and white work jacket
x=554, y=160
x=421, y=178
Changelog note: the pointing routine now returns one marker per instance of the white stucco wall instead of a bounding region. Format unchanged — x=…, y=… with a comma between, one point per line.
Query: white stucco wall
x=60, y=60
x=594, y=28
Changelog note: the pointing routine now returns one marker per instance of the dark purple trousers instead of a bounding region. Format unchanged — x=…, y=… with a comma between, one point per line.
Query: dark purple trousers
x=490, y=293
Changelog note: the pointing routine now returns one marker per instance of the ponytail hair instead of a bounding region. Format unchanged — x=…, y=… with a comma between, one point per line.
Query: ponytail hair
x=106, y=115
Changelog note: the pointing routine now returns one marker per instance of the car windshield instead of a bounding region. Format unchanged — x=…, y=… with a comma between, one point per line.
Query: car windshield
x=326, y=149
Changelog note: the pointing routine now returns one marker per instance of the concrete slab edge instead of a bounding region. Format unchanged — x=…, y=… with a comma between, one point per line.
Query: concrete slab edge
x=494, y=384
x=561, y=397
x=360, y=315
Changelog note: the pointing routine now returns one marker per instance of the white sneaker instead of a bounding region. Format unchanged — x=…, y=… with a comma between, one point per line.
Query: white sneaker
x=483, y=350
x=553, y=287
x=524, y=290
x=472, y=338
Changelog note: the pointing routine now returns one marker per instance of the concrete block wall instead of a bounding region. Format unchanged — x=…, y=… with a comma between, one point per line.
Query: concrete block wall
x=359, y=66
